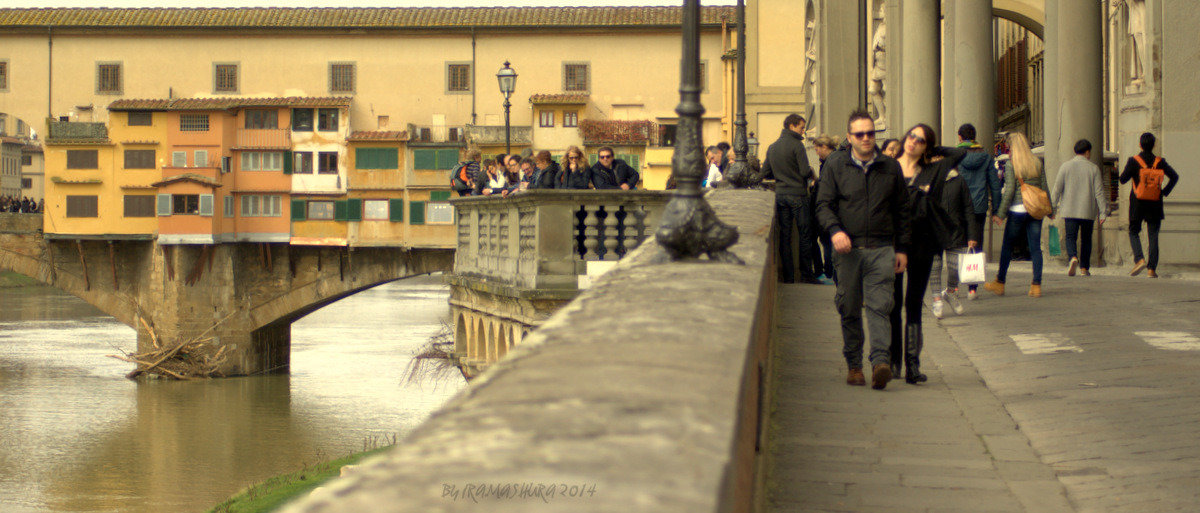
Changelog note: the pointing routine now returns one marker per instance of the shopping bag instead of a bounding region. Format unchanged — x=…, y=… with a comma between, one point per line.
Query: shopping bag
x=1055, y=245
x=972, y=268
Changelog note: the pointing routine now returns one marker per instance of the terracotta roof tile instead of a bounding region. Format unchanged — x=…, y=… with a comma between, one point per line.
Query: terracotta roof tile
x=222, y=103
x=558, y=99
x=187, y=177
x=378, y=135
x=616, y=132
x=346, y=17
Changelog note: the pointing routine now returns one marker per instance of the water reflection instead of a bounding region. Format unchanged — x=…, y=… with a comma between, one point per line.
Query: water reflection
x=76, y=436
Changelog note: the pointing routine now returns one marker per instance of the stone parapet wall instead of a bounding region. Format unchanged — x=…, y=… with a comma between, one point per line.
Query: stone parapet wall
x=20, y=223
x=642, y=394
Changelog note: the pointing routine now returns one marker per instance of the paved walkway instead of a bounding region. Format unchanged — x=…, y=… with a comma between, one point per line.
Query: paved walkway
x=948, y=445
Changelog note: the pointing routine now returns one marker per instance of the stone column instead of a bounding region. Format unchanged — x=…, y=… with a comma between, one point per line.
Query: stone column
x=1080, y=80
x=838, y=59
x=973, y=83
x=1050, y=100
x=920, y=54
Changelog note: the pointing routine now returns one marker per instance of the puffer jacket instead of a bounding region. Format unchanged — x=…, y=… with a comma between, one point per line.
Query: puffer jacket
x=979, y=174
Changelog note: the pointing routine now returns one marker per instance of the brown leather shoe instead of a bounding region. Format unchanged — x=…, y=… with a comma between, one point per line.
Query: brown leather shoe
x=880, y=375
x=1085, y=272
x=1151, y=274
x=1137, y=267
x=995, y=287
x=856, y=378
x=1035, y=291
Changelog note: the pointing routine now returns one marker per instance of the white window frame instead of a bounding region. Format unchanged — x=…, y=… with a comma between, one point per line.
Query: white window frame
x=440, y=208
x=178, y=159
x=200, y=158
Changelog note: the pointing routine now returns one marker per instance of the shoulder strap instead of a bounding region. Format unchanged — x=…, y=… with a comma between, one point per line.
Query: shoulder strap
x=1156, y=161
x=1139, y=160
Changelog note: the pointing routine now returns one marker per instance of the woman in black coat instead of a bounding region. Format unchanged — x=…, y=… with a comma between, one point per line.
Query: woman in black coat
x=575, y=173
x=962, y=235
x=925, y=166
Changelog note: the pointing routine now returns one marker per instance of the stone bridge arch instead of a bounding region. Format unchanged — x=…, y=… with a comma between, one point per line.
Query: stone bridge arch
x=245, y=296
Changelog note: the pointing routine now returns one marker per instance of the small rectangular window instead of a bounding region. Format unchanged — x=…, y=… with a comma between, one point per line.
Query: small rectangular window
x=262, y=118
x=327, y=162
x=193, y=122
x=83, y=159
x=185, y=203
x=179, y=159
x=108, y=78
x=228, y=206
x=458, y=78
x=575, y=77
x=225, y=78
x=140, y=118
x=303, y=164
x=302, y=120
x=83, y=206
x=375, y=210
x=26, y=183
x=3, y=75
x=570, y=119
x=327, y=120
x=546, y=118
x=26, y=160
x=251, y=206
x=139, y=205
x=439, y=213
x=273, y=206
x=200, y=159
x=139, y=159
x=320, y=210
x=341, y=77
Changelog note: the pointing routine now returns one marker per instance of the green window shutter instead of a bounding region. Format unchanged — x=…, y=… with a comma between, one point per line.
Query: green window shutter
x=362, y=158
x=389, y=158
x=416, y=212
x=447, y=158
x=298, y=210
x=354, y=209
x=396, y=210
x=339, y=210
x=164, y=204
x=424, y=159
x=289, y=159
x=439, y=196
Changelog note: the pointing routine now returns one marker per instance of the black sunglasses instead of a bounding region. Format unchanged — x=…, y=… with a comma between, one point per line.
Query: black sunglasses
x=863, y=135
x=606, y=156
x=917, y=139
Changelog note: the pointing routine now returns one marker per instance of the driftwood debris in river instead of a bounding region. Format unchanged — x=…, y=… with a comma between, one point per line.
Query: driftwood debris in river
x=193, y=358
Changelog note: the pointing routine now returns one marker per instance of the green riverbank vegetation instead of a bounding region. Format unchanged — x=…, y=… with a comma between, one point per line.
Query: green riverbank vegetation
x=9, y=279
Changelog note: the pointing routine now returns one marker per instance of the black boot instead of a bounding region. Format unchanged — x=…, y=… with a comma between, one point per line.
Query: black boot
x=912, y=354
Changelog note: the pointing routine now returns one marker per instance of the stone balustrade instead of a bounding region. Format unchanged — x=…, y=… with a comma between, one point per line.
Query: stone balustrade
x=543, y=239
x=643, y=394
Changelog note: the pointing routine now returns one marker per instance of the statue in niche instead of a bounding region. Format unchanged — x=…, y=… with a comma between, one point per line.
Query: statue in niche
x=1135, y=13
x=876, y=86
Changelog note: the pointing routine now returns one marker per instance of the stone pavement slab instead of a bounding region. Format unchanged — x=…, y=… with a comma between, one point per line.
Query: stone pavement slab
x=946, y=445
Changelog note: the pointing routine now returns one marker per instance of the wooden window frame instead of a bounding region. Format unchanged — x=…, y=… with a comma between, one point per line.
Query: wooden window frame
x=567, y=78
x=454, y=86
x=260, y=119
x=324, y=167
x=131, y=121
x=131, y=209
x=138, y=162
x=546, y=118
x=74, y=156
x=340, y=66
x=193, y=123
x=570, y=119
x=303, y=163
x=220, y=86
x=322, y=117
x=182, y=204
x=102, y=85
x=4, y=73
x=90, y=206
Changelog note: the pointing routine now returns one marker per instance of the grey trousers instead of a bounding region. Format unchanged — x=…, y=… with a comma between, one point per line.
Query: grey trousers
x=865, y=276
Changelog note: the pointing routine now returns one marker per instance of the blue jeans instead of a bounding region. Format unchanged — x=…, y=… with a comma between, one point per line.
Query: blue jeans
x=1021, y=222
x=1080, y=229
x=789, y=211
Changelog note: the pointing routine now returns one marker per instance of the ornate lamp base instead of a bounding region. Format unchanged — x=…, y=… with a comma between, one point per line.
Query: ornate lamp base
x=690, y=228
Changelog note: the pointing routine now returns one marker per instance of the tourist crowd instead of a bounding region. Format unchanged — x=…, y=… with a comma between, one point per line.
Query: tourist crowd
x=514, y=173
x=23, y=205
x=879, y=220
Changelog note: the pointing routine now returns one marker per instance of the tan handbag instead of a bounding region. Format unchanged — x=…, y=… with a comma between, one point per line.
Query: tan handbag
x=1035, y=199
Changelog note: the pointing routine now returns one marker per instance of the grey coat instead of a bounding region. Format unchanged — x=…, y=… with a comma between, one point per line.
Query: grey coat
x=1078, y=192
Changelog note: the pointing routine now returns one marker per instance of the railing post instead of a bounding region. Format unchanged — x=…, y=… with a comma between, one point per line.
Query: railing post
x=557, y=266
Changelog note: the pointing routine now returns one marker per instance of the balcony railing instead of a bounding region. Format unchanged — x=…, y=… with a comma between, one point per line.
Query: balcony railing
x=264, y=139
x=544, y=239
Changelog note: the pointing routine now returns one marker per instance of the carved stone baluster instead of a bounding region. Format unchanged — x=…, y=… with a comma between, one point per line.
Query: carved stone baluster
x=591, y=233
x=635, y=230
x=610, y=233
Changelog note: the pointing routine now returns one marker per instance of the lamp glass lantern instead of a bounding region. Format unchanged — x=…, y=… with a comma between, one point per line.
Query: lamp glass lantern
x=507, y=77
x=752, y=144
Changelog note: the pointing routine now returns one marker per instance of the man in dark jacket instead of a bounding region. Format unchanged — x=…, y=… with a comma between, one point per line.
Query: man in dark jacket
x=981, y=179
x=863, y=204
x=613, y=173
x=545, y=170
x=1150, y=211
x=787, y=163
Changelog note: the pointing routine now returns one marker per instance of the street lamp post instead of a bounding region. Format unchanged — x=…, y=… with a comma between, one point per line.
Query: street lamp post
x=508, y=82
x=740, y=175
x=689, y=227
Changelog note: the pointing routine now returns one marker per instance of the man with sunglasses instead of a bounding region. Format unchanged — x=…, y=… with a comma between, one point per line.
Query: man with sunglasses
x=787, y=163
x=613, y=173
x=863, y=204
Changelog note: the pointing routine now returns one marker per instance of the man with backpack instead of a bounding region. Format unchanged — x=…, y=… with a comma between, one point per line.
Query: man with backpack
x=1146, y=201
x=462, y=174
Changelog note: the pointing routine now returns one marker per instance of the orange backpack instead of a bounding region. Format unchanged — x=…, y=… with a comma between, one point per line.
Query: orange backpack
x=1150, y=179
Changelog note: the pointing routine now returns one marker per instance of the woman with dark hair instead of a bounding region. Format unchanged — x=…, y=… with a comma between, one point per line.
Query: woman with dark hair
x=890, y=147
x=925, y=166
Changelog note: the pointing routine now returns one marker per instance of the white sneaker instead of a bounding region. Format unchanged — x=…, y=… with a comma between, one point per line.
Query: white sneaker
x=971, y=295
x=955, y=304
x=937, y=307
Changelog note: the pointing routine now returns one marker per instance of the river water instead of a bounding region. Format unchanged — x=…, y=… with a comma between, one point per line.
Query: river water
x=75, y=435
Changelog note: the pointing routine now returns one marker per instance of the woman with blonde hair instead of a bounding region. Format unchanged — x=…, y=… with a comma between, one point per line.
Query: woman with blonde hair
x=1022, y=167
x=576, y=172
